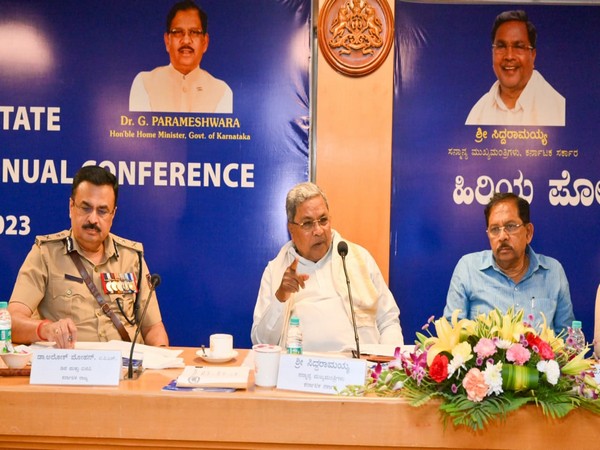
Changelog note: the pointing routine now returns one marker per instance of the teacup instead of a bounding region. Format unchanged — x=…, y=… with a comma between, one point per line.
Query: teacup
x=221, y=345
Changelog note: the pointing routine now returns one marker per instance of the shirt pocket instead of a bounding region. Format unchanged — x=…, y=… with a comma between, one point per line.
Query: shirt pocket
x=127, y=302
x=545, y=305
x=67, y=293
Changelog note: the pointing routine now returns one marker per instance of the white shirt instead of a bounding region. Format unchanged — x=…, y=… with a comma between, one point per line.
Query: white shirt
x=322, y=306
x=538, y=104
x=165, y=89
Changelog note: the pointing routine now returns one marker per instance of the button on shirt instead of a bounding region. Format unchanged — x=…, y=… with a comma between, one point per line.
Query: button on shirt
x=478, y=286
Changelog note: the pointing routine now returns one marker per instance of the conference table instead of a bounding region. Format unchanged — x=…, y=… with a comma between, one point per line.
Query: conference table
x=140, y=414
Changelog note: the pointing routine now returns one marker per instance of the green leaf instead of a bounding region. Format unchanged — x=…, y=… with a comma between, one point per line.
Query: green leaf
x=590, y=405
x=476, y=415
x=556, y=404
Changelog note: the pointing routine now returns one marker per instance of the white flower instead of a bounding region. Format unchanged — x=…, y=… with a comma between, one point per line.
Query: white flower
x=551, y=369
x=457, y=362
x=493, y=378
x=399, y=385
x=502, y=343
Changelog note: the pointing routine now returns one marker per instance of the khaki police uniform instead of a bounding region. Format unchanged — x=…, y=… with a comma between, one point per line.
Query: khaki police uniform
x=49, y=283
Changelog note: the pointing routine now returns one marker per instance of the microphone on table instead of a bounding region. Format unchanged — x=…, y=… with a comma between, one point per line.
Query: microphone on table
x=342, y=249
x=154, y=282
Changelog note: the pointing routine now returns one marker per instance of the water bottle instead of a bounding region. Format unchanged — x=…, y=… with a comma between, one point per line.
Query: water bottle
x=294, y=337
x=576, y=339
x=5, y=326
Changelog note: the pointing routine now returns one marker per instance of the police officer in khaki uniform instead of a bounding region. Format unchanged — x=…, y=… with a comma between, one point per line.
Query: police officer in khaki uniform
x=51, y=300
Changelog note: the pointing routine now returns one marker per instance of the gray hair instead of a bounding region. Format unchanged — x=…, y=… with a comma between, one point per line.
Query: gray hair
x=299, y=194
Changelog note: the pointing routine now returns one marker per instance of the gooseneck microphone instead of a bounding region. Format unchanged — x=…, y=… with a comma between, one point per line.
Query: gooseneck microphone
x=154, y=282
x=342, y=249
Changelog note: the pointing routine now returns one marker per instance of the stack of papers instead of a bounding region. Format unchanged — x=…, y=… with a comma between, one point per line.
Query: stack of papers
x=154, y=357
x=225, y=377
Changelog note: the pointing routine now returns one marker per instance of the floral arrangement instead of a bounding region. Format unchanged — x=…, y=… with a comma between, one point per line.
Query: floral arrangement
x=485, y=368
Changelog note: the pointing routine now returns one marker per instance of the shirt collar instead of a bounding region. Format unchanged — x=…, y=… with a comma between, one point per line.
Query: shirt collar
x=176, y=73
x=307, y=262
x=525, y=100
x=534, y=262
x=110, y=249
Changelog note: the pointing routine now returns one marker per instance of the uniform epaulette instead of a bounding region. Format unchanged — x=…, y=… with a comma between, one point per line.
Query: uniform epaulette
x=42, y=239
x=137, y=246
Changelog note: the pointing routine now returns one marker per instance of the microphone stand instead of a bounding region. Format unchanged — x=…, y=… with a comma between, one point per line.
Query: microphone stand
x=154, y=282
x=343, y=251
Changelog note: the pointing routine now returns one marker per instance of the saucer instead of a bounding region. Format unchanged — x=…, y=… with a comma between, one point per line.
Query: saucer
x=211, y=359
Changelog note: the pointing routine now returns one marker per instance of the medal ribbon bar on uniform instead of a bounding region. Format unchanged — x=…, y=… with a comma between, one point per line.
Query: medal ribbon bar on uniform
x=119, y=283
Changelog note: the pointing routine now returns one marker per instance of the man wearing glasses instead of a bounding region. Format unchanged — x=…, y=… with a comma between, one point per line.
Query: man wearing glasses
x=307, y=279
x=520, y=96
x=511, y=274
x=51, y=300
x=182, y=86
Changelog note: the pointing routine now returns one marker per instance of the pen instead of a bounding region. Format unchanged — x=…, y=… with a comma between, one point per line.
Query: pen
x=532, y=302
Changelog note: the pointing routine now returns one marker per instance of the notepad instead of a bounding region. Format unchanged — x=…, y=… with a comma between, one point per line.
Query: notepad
x=227, y=377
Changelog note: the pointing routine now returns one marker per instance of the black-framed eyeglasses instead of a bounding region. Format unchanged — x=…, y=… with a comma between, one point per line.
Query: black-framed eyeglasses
x=193, y=33
x=501, y=48
x=510, y=228
x=86, y=210
x=308, y=225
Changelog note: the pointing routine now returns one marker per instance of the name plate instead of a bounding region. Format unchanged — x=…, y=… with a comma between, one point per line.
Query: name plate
x=320, y=375
x=76, y=367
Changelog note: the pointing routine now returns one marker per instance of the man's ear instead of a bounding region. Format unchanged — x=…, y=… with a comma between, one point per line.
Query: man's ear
x=529, y=228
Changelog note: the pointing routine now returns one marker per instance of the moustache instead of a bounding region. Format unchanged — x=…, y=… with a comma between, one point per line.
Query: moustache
x=91, y=226
x=503, y=246
x=185, y=47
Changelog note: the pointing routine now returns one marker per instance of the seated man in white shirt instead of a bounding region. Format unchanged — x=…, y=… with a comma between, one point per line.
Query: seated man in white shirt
x=182, y=86
x=306, y=279
x=520, y=96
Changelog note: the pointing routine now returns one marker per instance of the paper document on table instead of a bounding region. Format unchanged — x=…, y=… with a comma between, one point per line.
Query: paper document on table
x=230, y=377
x=154, y=357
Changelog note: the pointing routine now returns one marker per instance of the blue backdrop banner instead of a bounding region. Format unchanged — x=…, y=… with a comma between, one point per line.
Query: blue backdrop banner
x=444, y=171
x=204, y=192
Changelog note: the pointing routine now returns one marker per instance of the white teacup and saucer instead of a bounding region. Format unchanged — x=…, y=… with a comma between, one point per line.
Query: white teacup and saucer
x=221, y=349
x=208, y=357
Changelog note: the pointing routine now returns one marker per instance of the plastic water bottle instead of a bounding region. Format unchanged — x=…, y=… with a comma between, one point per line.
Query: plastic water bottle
x=5, y=326
x=294, y=337
x=576, y=337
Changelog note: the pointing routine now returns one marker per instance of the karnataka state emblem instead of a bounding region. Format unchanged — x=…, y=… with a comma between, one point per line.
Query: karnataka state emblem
x=355, y=36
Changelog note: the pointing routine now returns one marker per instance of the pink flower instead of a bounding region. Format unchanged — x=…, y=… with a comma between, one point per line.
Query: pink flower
x=518, y=354
x=376, y=372
x=474, y=384
x=397, y=361
x=485, y=347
